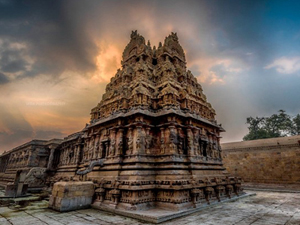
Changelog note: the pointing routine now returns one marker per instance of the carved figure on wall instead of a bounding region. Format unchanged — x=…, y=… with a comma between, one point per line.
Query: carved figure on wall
x=97, y=150
x=148, y=142
x=138, y=143
x=120, y=146
x=173, y=142
x=162, y=145
x=180, y=145
x=112, y=147
x=209, y=149
x=196, y=143
x=130, y=145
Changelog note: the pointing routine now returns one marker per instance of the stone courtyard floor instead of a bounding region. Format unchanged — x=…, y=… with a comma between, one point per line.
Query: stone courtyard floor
x=266, y=208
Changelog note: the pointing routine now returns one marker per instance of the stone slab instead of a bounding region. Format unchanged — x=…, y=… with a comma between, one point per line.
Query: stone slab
x=67, y=196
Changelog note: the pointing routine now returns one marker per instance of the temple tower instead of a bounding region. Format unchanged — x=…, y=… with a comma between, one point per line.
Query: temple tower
x=153, y=140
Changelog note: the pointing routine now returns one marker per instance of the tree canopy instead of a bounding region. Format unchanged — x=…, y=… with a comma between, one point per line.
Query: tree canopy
x=277, y=125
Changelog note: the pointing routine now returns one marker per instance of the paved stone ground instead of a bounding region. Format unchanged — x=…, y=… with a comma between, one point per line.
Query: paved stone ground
x=266, y=208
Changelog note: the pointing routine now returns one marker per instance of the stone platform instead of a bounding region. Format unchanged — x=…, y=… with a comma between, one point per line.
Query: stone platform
x=159, y=215
x=265, y=208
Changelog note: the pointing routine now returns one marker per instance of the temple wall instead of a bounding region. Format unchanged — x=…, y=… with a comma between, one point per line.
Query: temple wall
x=32, y=156
x=274, y=160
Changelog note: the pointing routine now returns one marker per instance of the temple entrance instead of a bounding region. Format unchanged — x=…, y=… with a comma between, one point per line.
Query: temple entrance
x=204, y=149
x=104, y=149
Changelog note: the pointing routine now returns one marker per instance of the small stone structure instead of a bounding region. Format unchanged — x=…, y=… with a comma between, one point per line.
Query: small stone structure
x=273, y=161
x=67, y=196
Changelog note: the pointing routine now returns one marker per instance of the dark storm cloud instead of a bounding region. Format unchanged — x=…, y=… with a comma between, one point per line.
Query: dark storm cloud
x=52, y=43
x=232, y=29
x=3, y=79
x=12, y=61
x=58, y=35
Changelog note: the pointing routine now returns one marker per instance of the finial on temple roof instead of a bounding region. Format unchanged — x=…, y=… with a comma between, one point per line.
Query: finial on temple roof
x=174, y=36
x=133, y=34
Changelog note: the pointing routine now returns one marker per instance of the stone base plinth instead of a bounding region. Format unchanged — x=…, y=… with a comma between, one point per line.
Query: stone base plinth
x=67, y=196
x=159, y=215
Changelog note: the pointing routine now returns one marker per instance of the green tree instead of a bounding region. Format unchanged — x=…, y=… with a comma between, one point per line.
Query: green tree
x=255, y=127
x=296, y=125
x=277, y=125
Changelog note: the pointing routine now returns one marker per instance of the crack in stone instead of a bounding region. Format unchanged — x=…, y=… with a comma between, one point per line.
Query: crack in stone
x=8, y=220
x=56, y=220
x=35, y=217
x=287, y=222
x=276, y=206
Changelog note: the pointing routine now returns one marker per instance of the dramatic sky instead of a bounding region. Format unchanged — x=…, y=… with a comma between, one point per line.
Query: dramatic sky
x=56, y=58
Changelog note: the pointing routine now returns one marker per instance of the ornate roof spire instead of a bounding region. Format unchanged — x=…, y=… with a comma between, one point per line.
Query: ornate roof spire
x=153, y=79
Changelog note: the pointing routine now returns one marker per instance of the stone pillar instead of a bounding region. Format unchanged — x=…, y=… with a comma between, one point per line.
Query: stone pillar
x=180, y=141
x=190, y=141
x=120, y=142
x=50, y=161
x=97, y=147
x=91, y=148
x=173, y=140
x=148, y=140
x=209, y=147
x=130, y=141
x=196, y=142
x=140, y=140
x=107, y=149
x=162, y=140
x=112, y=147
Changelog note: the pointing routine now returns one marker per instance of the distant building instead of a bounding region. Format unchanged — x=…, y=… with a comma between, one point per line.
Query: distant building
x=32, y=155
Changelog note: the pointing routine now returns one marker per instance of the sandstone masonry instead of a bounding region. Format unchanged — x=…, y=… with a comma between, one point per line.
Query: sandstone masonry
x=274, y=160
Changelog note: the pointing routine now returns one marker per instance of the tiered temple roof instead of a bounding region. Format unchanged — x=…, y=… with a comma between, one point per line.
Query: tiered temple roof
x=153, y=79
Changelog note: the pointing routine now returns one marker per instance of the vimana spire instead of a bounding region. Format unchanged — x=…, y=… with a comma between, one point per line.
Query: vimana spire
x=152, y=142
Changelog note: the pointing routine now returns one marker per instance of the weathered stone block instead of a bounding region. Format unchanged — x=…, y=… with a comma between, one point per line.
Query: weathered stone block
x=66, y=197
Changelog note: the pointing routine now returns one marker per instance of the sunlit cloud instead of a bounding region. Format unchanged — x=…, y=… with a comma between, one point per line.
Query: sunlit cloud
x=285, y=65
x=214, y=70
x=108, y=61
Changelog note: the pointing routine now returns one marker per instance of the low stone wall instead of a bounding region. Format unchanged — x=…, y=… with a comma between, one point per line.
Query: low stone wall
x=274, y=160
x=67, y=196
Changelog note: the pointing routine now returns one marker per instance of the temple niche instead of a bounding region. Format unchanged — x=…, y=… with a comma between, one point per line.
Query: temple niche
x=153, y=140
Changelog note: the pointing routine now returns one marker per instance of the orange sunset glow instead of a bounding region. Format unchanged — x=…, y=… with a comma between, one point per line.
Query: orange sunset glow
x=56, y=59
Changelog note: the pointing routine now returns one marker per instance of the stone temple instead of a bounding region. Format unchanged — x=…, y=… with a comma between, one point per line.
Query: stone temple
x=152, y=142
